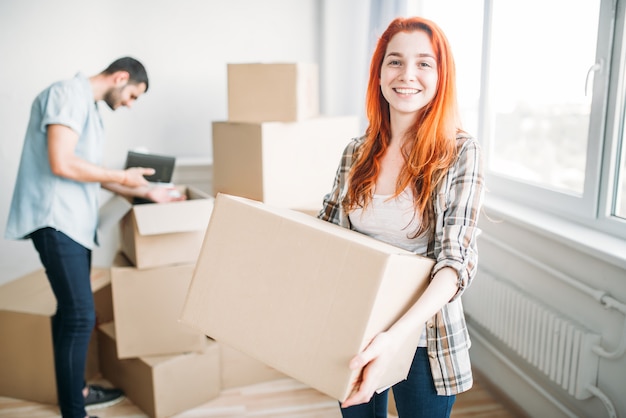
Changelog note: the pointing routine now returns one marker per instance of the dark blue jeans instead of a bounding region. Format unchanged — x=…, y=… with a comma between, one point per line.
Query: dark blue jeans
x=415, y=397
x=68, y=267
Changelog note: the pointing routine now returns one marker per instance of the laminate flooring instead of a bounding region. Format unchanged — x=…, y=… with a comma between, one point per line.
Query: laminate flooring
x=280, y=398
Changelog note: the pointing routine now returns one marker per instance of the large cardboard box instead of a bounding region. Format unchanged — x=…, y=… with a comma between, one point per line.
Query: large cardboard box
x=146, y=307
x=27, y=305
x=288, y=165
x=300, y=294
x=160, y=234
x=239, y=369
x=161, y=386
x=260, y=92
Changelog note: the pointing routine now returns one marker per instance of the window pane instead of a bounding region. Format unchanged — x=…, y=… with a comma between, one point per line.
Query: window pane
x=539, y=109
x=462, y=22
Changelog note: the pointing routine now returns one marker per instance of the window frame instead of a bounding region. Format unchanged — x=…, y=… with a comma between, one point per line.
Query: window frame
x=606, y=128
x=615, y=140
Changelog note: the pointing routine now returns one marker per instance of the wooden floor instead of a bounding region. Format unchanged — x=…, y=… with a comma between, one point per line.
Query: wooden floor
x=277, y=399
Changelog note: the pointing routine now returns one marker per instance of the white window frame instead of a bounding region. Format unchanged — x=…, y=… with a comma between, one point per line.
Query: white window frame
x=615, y=137
x=606, y=128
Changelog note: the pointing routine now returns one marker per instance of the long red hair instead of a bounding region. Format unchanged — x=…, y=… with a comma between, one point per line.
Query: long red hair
x=430, y=146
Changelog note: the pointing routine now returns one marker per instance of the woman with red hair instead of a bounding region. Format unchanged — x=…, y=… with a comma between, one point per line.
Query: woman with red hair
x=414, y=180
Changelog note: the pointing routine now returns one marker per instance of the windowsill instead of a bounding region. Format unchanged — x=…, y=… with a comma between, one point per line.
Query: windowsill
x=596, y=243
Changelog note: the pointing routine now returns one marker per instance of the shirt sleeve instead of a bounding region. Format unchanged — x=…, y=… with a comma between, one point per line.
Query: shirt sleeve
x=460, y=204
x=64, y=106
x=332, y=210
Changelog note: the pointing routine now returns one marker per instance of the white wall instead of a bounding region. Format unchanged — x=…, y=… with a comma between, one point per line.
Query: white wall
x=185, y=46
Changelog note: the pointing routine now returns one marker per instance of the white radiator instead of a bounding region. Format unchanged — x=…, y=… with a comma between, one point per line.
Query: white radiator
x=557, y=346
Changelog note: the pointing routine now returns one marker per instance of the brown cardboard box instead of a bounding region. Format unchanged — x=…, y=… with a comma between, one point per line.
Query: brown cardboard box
x=146, y=307
x=288, y=165
x=101, y=289
x=300, y=294
x=261, y=92
x=160, y=234
x=239, y=369
x=27, y=305
x=161, y=386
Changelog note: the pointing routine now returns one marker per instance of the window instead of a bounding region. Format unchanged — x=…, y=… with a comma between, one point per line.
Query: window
x=548, y=103
x=616, y=168
x=539, y=98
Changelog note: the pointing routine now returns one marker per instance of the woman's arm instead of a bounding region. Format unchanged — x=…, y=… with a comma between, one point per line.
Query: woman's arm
x=456, y=226
x=452, y=273
x=379, y=354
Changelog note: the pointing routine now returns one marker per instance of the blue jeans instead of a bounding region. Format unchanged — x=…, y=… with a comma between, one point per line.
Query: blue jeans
x=415, y=397
x=68, y=267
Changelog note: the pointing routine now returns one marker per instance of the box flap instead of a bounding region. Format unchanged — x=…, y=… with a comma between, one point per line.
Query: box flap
x=100, y=277
x=22, y=287
x=112, y=211
x=108, y=328
x=163, y=218
x=32, y=293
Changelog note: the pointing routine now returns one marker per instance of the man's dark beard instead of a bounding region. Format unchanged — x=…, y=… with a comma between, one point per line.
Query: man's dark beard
x=111, y=96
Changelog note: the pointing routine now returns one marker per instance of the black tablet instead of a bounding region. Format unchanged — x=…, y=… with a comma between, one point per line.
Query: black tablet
x=163, y=165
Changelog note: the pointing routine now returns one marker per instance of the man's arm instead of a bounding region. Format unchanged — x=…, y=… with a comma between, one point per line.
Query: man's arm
x=130, y=182
x=65, y=163
x=157, y=194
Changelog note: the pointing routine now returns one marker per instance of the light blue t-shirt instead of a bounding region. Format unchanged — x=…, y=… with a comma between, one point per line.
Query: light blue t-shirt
x=42, y=199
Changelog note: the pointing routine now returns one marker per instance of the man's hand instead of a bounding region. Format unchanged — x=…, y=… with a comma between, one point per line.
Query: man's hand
x=64, y=162
x=160, y=194
x=134, y=176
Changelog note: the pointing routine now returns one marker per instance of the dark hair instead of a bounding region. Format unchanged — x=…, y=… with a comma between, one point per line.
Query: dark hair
x=134, y=68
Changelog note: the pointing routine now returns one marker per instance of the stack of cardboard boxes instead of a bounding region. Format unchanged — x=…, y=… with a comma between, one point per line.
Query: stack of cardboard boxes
x=163, y=366
x=275, y=146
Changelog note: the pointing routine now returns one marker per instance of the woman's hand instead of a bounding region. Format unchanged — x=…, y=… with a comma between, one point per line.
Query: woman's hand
x=373, y=362
x=376, y=358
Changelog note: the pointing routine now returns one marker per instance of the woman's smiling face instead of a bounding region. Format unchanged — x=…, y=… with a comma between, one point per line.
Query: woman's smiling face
x=408, y=78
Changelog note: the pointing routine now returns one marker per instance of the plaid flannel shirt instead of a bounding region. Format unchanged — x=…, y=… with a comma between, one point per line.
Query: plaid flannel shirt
x=457, y=203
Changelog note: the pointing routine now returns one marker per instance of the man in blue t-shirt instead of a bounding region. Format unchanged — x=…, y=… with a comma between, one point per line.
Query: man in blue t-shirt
x=55, y=204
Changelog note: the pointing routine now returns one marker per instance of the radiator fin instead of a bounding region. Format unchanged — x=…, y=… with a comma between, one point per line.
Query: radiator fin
x=554, y=344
